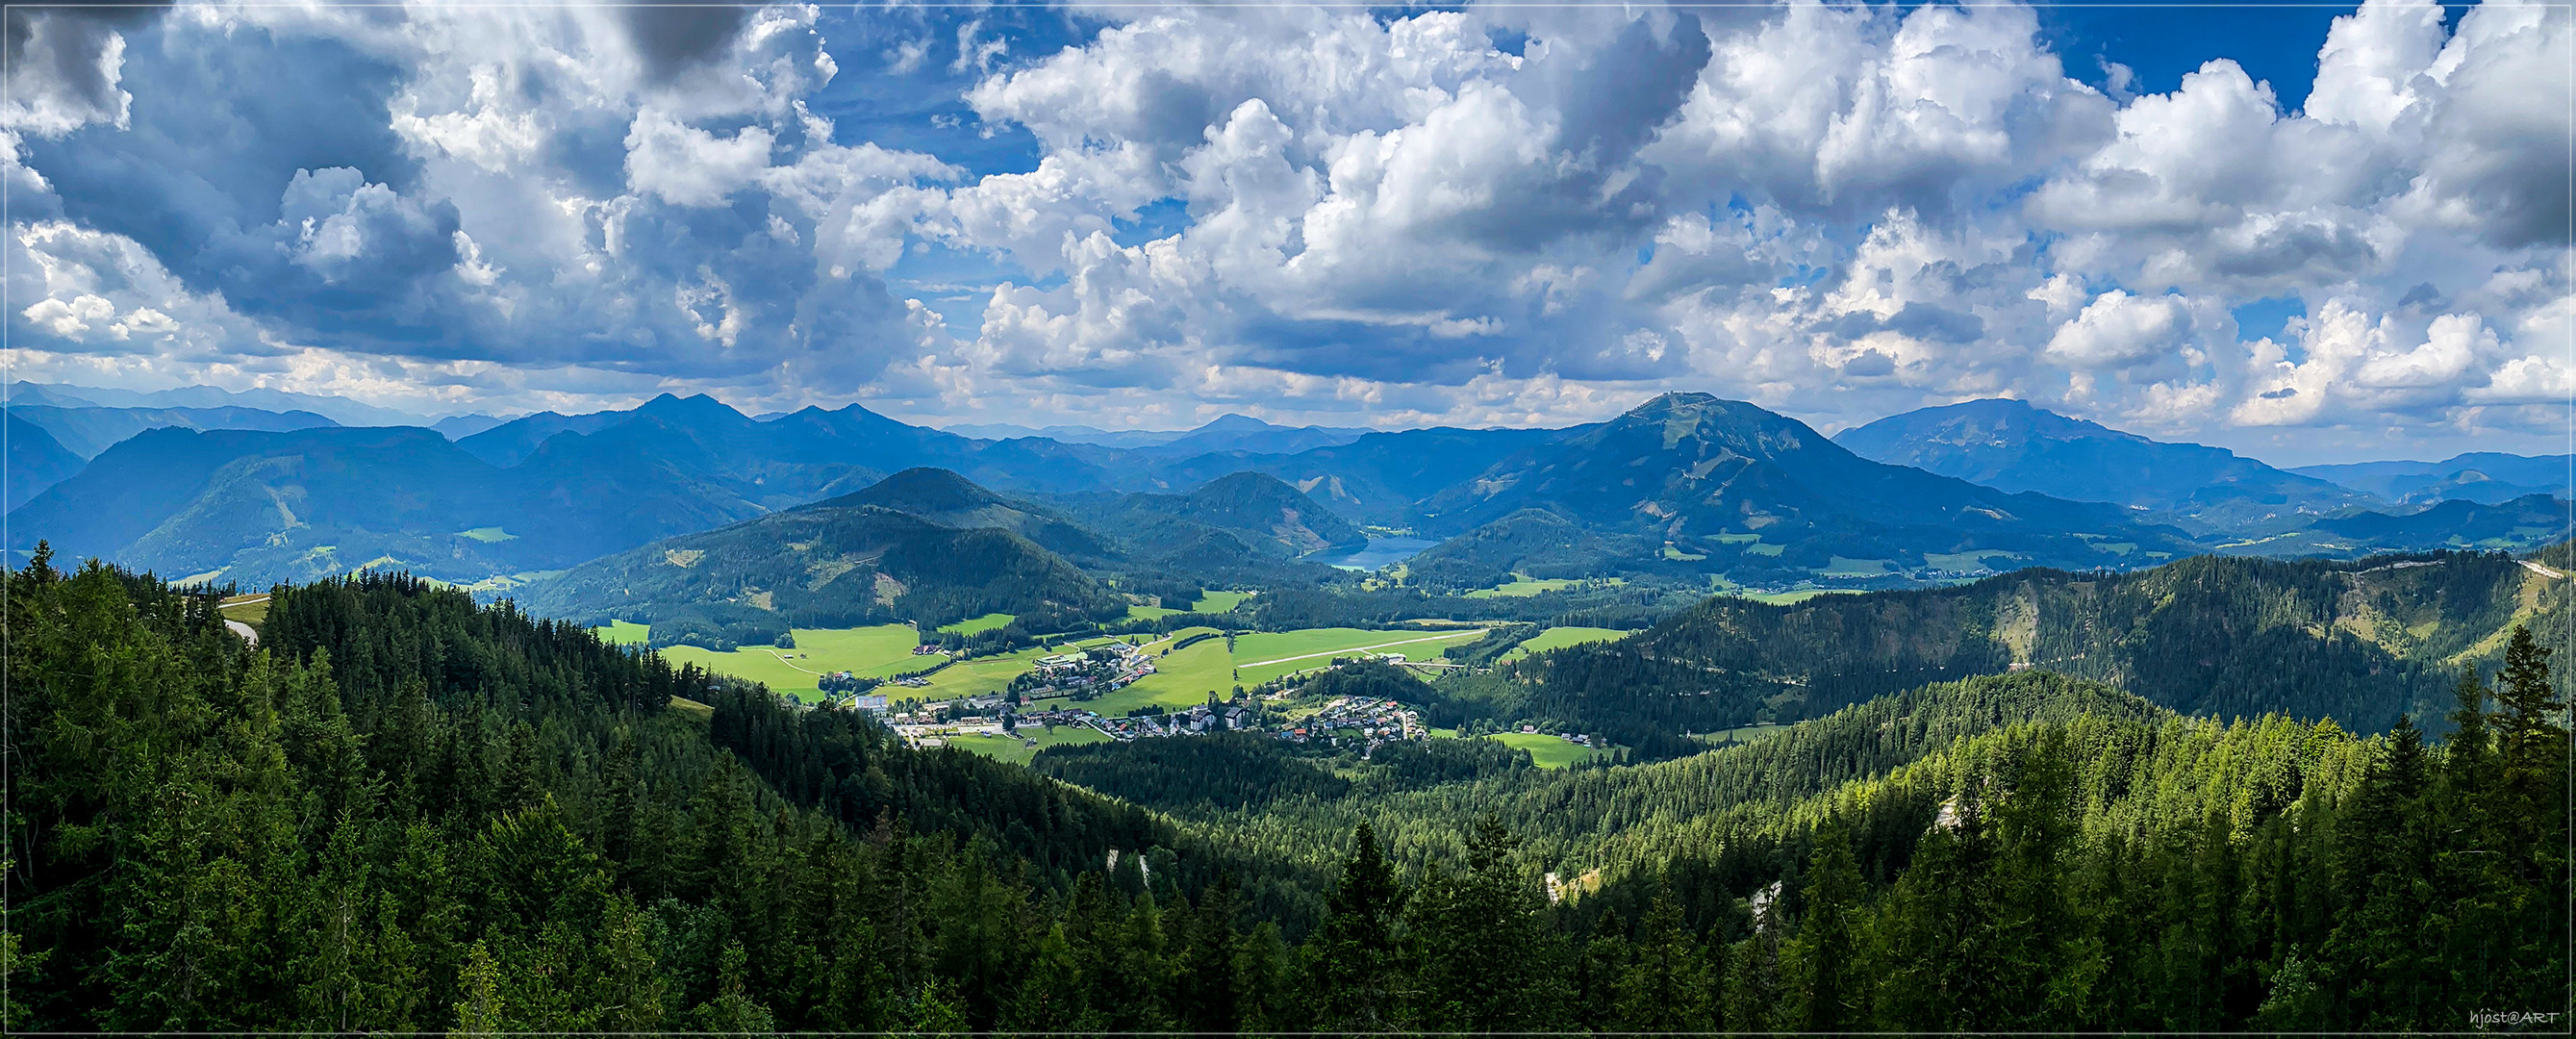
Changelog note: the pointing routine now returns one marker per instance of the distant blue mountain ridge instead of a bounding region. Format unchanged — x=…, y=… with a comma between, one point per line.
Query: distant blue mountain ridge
x=1740, y=494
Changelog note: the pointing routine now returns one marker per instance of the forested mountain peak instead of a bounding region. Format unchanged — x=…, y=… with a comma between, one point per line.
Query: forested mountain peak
x=1263, y=504
x=1693, y=483
x=918, y=490
x=823, y=567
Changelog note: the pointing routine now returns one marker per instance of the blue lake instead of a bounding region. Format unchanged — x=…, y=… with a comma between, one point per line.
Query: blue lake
x=1379, y=552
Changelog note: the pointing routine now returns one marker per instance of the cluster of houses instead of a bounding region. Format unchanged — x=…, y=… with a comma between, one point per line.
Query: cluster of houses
x=1085, y=673
x=1371, y=722
x=1196, y=721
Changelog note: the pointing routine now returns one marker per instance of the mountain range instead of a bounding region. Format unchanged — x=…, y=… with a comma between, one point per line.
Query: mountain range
x=2485, y=477
x=1694, y=483
x=2010, y=445
x=1684, y=489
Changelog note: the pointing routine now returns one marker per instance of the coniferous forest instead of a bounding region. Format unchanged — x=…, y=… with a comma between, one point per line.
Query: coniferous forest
x=402, y=811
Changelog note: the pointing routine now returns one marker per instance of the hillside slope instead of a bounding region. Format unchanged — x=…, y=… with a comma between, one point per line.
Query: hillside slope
x=2359, y=642
x=2012, y=446
x=950, y=500
x=822, y=567
x=36, y=461
x=1692, y=483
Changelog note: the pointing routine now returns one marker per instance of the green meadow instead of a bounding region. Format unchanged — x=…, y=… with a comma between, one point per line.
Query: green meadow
x=1181, y=679
x=1219, y=602
x=1559, y=638
x=1016, y=749
x=972, y=625
x=1547, y=751
x=1524, y=585
x=1793, y=598
x=1262, y=656
x=879, y=651
x=624, y=633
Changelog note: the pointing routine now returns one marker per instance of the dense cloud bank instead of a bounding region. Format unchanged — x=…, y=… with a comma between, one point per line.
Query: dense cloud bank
x=1146, y=216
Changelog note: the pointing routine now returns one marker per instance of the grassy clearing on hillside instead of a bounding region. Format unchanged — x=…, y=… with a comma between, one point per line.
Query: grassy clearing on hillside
x=1219, y=602
x=1842, y=567
x=1262, y=656
x=876, y=652
x=1740, y=734
x=1522, y=585
x=1547, y=751
x=1969, y=560
x=488, y=535
x=1151, y=613
x=1793, y=598
x=1559, y=638
x=1015, y=749
x=972, y=625
x=624, y=633
x=248, y=609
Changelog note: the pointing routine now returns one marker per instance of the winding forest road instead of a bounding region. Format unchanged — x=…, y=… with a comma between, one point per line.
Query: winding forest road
x=249, y=634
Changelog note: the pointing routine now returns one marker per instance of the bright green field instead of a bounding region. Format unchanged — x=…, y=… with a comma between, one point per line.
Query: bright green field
x=1842, y=567
x=1525, y=585
x=878, y=651
x=624, y=633
x=1015, y=749
x=1211, y=602
x=1546, y=751
x=1793, y=598
x=1969, y=560
x=1179, y=680
x=972, y=625
x=983, y=676
x=1741, y=734
x=1522, y=586
x=1558, y=638
x=1262, y=656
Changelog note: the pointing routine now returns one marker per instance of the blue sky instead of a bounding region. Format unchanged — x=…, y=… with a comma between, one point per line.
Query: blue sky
x=2308, y=233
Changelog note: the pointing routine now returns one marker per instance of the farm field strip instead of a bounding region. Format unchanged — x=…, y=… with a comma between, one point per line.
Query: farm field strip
x=1479, y=632
x=1561, y=637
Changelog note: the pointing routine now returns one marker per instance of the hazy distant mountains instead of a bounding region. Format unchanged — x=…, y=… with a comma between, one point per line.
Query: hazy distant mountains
x=1684, y=488
x=2480, y=477
x=339, y=410
x=1229, y=433
x=36, y=461
x=546, y=492
x=2010, y=445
